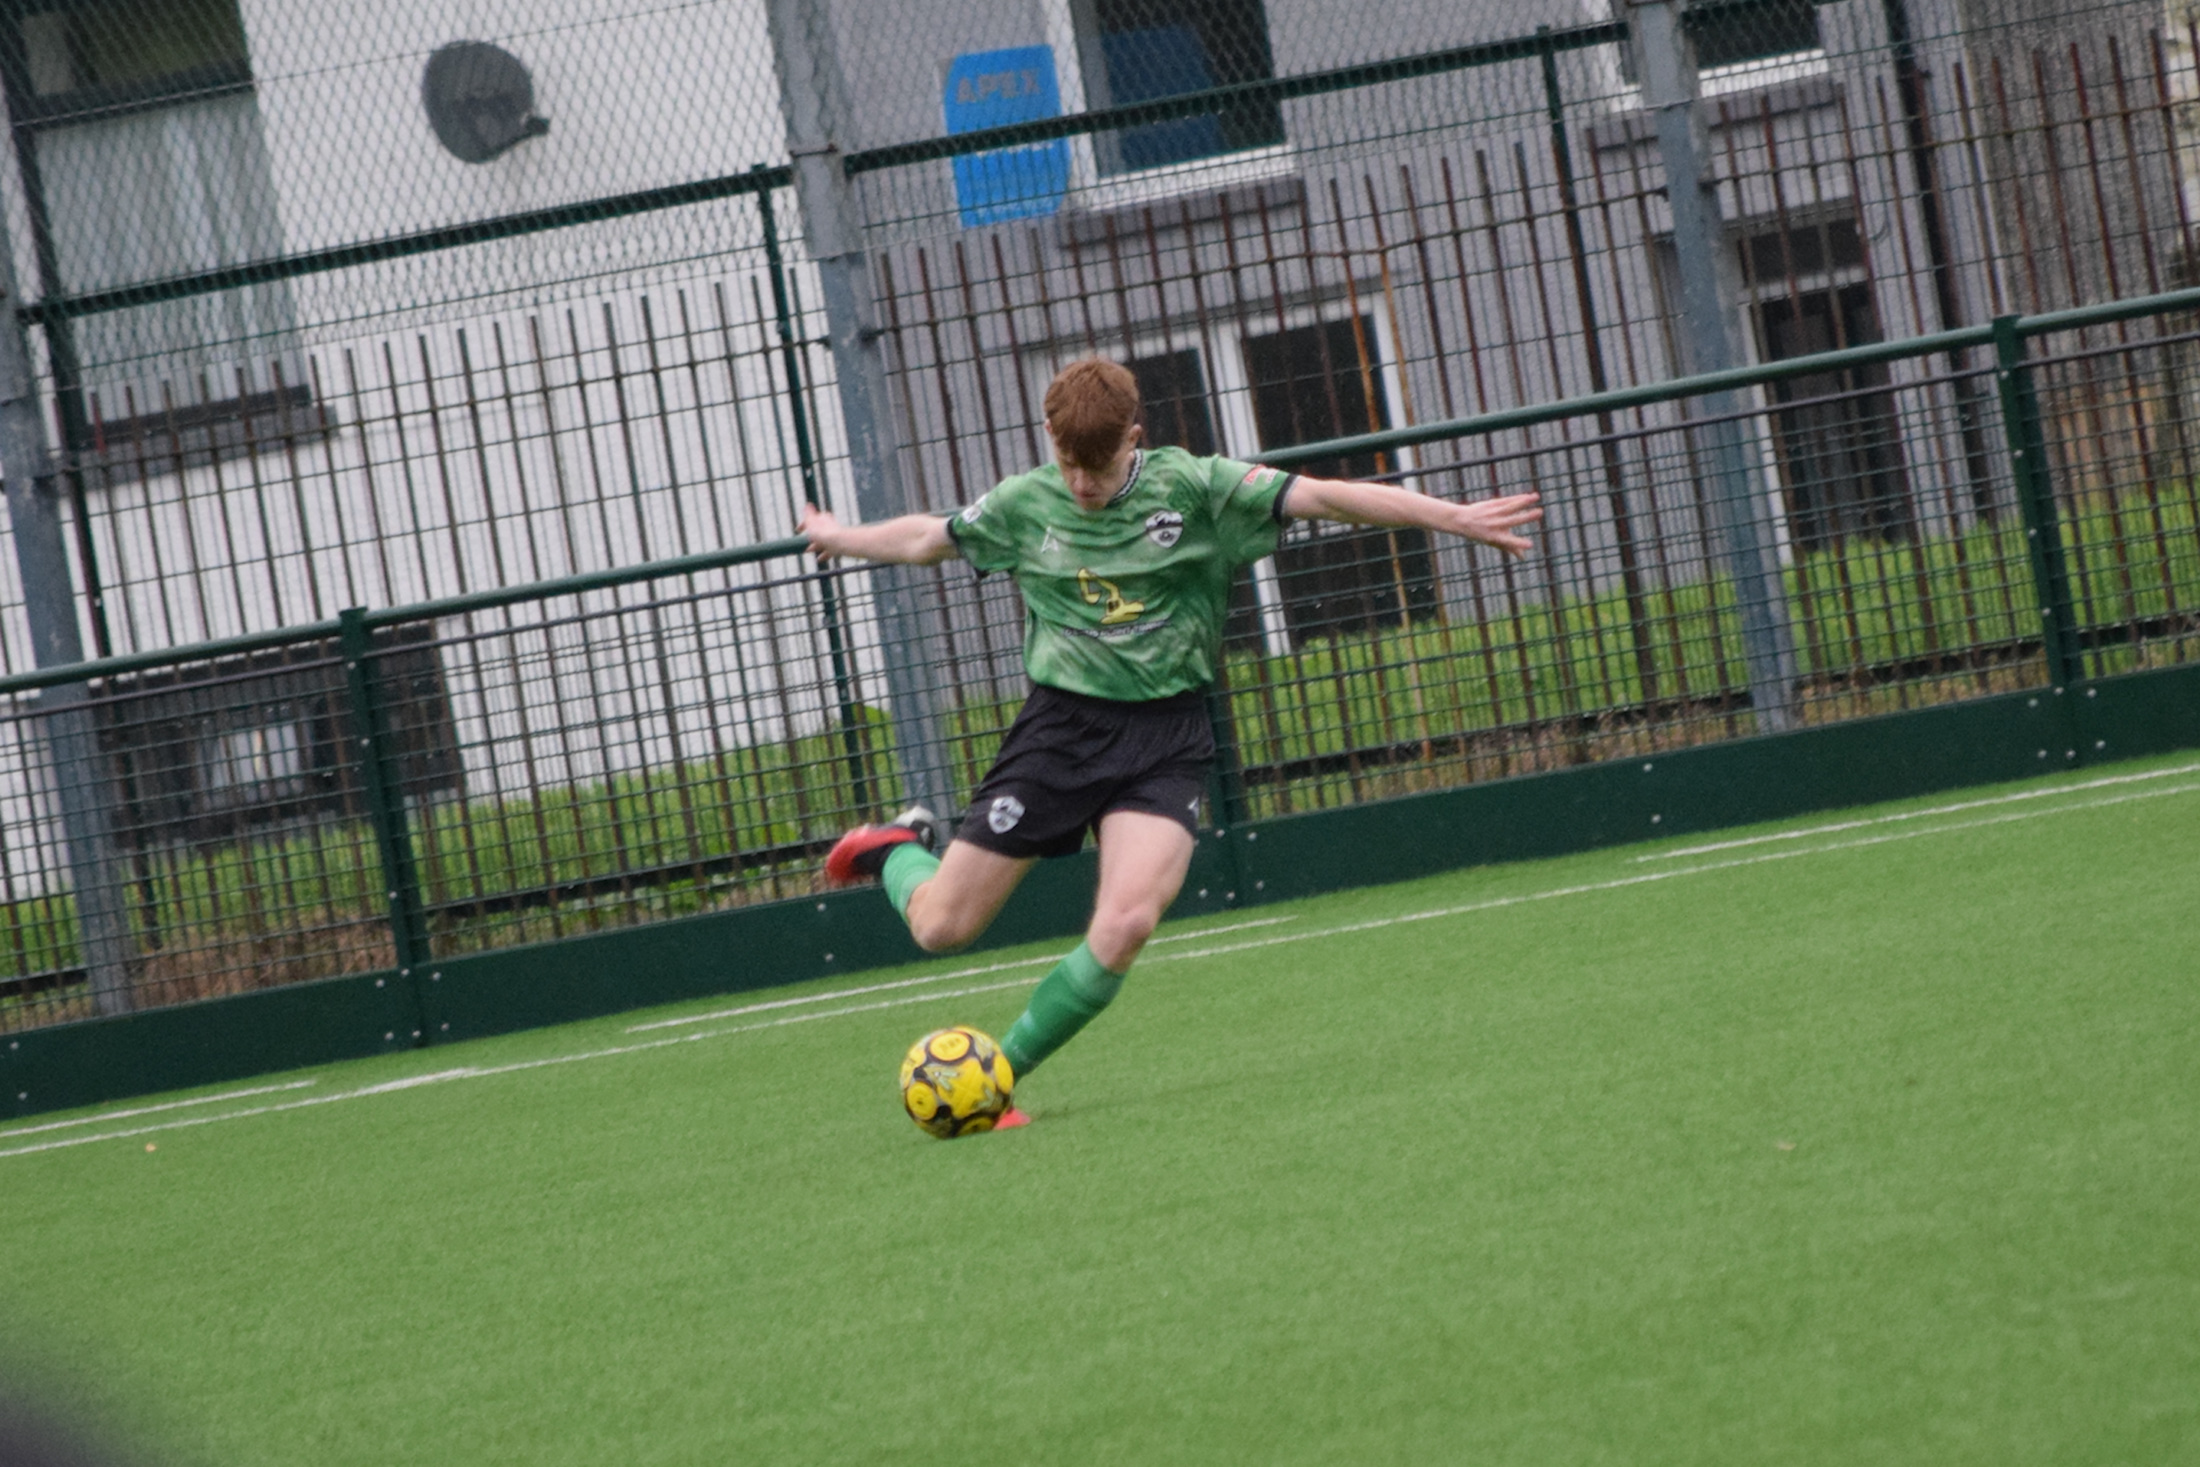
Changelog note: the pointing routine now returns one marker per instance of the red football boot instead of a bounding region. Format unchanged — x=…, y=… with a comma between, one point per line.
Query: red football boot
x=861, y=854
x=1011, y=1119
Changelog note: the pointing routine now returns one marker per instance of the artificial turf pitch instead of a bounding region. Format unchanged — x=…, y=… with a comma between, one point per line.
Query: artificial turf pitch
x=1873, y=1143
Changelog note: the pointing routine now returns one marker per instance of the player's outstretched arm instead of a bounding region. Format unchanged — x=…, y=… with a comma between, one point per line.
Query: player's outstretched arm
x=911, y=539
x=1490, y=521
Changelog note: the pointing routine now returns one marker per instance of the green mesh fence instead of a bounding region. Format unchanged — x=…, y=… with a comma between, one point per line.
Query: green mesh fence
x=390, y=789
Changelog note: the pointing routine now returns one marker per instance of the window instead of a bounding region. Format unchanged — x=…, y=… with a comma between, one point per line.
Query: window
x=102, y=53
x=1142, y=50
x=1268, y=390
x=1743, y=31
x=1741, y=44
x=266, y=738
x=262, y=762
x=1837, y=435
x=1325, y=381
x=143, y=157
x=1172, y=396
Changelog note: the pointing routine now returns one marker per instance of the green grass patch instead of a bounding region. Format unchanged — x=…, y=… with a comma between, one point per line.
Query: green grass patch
x=1871, y=1145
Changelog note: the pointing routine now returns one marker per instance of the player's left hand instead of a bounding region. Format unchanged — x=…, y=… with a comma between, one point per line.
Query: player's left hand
x=821, y=529
x=1492, y=521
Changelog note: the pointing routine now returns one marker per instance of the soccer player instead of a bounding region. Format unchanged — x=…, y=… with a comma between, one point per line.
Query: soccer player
x=1124, y=556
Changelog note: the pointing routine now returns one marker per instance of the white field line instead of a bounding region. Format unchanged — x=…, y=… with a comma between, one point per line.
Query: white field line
x=1231, y=927
x=146, y=1110
x=2010, y=799
x=412, y=1082
x=1048, y=960
x=1309, y=935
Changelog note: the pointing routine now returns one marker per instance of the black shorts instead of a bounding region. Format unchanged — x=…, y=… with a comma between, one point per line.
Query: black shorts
x=1069, y=759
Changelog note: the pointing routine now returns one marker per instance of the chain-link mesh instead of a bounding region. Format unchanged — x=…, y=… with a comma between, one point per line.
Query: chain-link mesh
x=1477, y=186
x=583, y=760
x=354, y=309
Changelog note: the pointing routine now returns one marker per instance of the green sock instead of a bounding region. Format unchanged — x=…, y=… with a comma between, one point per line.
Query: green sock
x=908, y=866
x=1064, y=1002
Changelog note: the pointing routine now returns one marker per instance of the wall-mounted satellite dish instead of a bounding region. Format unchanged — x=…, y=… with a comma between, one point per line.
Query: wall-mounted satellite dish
x=480, y=100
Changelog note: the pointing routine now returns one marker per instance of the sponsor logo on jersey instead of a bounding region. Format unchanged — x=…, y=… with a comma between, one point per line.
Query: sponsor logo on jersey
x=1164, y=527
x=1050, y=545
x=1123, y=633
x=1120, y=608
x=1006, y=811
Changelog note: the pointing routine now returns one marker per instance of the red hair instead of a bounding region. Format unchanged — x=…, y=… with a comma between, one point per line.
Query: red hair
x=1090, y=407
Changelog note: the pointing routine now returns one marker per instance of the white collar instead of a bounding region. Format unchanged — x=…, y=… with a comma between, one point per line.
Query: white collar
x=1138, y=466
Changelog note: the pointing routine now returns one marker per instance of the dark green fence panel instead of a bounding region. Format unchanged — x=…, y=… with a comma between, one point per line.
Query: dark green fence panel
x=537, y=803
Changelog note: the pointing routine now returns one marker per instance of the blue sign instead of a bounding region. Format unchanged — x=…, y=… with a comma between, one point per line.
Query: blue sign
x=994, y=89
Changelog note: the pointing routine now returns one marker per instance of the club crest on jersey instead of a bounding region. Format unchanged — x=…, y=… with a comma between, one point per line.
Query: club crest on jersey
x=1164, y=527
x=1006, y=811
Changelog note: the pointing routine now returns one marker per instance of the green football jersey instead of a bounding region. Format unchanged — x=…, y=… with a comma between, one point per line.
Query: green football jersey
x=1128, y=601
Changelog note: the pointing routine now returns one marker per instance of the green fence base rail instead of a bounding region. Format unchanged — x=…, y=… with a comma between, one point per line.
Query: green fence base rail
x=207, y=1043
x=1895, y=756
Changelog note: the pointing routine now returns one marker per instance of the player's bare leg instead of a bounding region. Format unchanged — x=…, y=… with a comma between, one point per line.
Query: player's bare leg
x=948, y=900
x=953, y=908
x=1143, y=859
x=1143, y=862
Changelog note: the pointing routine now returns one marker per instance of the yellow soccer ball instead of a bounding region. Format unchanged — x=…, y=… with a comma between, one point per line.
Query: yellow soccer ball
x=956, y=1082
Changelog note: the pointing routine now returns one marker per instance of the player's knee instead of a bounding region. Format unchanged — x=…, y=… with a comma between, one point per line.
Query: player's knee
x=939, y=937
x=942, y=932
x=1119, y=931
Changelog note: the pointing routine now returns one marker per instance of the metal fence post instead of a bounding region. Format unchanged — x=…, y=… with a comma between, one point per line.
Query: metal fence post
x=836, y=617
x=86, y=798
x=1665, y=59
x=2027, y=435
x=381, y=785
x=814, y=97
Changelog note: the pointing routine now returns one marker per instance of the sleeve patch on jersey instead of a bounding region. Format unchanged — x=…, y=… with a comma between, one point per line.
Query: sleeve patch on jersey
x=975, y=508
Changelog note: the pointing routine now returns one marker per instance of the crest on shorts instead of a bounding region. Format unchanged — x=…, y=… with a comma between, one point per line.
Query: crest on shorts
x=1006, y=811
x=1164, y=527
